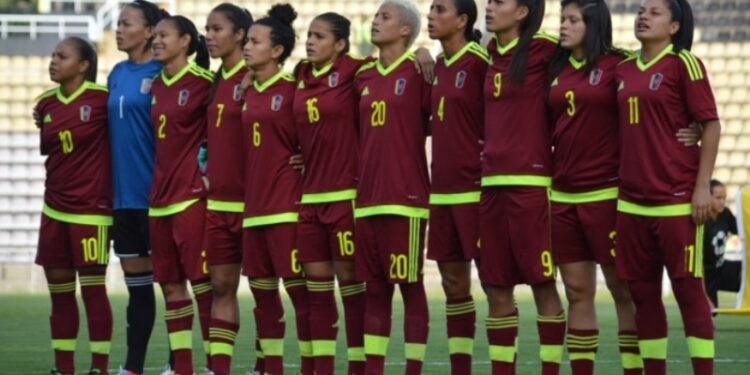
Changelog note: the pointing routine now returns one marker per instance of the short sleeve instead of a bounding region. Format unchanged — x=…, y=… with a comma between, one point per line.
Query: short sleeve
x=696, y=89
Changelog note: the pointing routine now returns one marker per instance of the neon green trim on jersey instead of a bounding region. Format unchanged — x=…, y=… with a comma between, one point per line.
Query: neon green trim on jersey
x=504, y=49
x=260, y=87
x=654, y=348
x=330, y=196
x=384, y=71
x=545, y=35
x=668, y=210
x=700, y=348
x=392, y=209
x=517, y=180
x=284, y=217
x=317, y=73
x=79, y=91
x=691, y=63
x=82, y=219
x=500, y=353
x=575, y=63
x=455, y=198
x=323, y=348
x=171, y=209
x=66, y=345
x=585, y=197
x=472, y=47
x=181, y=340
x=99, y=347
x=631, y=360
x=644, y=66
x=551, y=353
x=460, y=345
x=170, y=81
x=356, y=354
x=272, y=347
x=47, y=94
x=225, y=206
x=228, y=74
x=376, y=345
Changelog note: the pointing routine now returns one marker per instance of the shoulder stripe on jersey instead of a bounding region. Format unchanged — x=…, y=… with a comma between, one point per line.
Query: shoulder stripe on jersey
x=481, y=52
x=691, y=63
x=367, y=66
x=47, y=94
x=544, y=35
x=98, y=87
x=200, y=72
x=468, y=48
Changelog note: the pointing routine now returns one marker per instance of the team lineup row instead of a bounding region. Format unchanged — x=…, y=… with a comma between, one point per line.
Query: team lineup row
x=545, y=150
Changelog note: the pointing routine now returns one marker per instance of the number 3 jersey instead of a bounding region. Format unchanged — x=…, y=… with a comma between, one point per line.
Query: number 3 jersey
x=75, y=139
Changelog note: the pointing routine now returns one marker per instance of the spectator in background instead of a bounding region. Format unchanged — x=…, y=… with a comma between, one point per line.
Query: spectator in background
x=719, y=274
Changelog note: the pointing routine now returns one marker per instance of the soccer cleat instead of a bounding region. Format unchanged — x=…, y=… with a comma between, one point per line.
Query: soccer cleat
x=123, y=371
x=167, y=370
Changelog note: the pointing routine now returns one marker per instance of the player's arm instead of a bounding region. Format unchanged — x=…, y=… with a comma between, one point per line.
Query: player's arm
x=425, y=64
x=709, y=149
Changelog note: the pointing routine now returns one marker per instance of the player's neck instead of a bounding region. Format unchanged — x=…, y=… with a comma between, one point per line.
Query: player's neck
x=230, y=61
x=453, y=44
x=140, y=56
x=68, y=88
x=265, y=73
x=578, y=54
x=173, y=67
x=505, y=37
x=649, y=50
x=390, y=53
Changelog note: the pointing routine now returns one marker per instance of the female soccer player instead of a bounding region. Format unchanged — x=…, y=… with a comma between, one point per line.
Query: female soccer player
x=663, y=184
x=132, y=139
x=272, y=189
x=177, y=201
x=74, y=234
x=226, y=34
x=392, y=193
x=516, y=173
x=457, y=125
x=583, y=104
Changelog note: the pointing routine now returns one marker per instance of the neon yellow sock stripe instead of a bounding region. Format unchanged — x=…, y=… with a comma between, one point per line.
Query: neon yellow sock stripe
x=272, y=347
x=501, y=353
x=305, y=348
x=221, y=348
x=461, y=345
x=265, y=284
x=700, y=347
x=654, y=348
x=323, y=348
x=201, y=288
x=627, y=340
x=181, y=340
x=414, y=351
x=62, y=288
x=500, y=323
x=460, y=308
x=99, y=347
x=92, y=280
x=356, y=353
x=320, y=286
x=582, y=356
x=66, y=345
x=551, y=318
x=351, y=290
x=294, y=283
x=179, y=313
x=376, y=345
x=221, y=333
x=631, y=360
x=551, y=353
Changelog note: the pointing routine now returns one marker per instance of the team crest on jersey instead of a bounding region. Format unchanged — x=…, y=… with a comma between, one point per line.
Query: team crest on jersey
x=460, y=79
x=237, y=95
x=182, y=99
x=146, y=85
x=400, y=86
x=333, y=80
x=153, y=100
x=655, y=81
x=595, y=77
x=85, y=113
x=276, y=102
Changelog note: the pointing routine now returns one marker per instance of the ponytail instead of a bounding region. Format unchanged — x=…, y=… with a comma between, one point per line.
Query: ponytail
x=529, y=26
x=469, y=8
x=202, y=57
x=197, y=41
x=87, y=53
x=683, y=14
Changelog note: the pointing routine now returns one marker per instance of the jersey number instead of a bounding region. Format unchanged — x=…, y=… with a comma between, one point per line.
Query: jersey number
x=498, y=83
x=441, y=108
x=313, y=114
x=398, y=266
x=162, y=127
x=296, y=267
x=346, y=245
x=256, y=134
x=378, y=113
x=220, y=109
x=633, y=112
x=66, y=139
x=571, y=97
x=690, y=258
x=548, y=264
x=92, y=251
x=612, y=237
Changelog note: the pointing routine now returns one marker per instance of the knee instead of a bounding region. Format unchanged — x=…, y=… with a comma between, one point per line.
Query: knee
x=455, y=287
x=579, y=292
x=175, y=291
x=500, y=300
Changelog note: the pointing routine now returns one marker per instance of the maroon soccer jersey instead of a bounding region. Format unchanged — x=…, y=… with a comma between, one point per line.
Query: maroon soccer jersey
x=583, y=106
x=325, y=114
x=516, y=126
x=225, y=139
x=655, y=100
x=74, y=137
x=178, y=114
x=457, y=122
x=394, y=107
x=272, y=186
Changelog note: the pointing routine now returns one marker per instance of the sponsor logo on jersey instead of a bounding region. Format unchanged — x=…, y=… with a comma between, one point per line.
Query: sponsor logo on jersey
x=333, y=80
x=47, y=119
x=595, y=77
x=146, y=85
x=400, y=86
x=366, y=91
x=182, y=99
x=276, y=102
x=655, y=81
x=554, y=82
x=237, y=95
x=301, y=85
x=460, y=79
x=621, y=86
x=85, y=113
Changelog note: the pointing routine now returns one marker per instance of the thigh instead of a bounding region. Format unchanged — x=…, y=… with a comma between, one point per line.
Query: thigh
x=680, y=242
x=312, y=235
x=569, y=243
x=598, y=222
x=130, y=233
x=530, y=234
x=222, y=238
x=636, y=253
x=53, y=248
x=165, y=256
x=466, y=221
x=366, y=261
x=443, y=242
x=400, y=244
x=497, y=267
x=188, y=228
x=281, y=241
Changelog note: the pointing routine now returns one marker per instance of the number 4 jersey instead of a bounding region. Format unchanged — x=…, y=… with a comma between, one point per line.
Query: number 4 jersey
x=74, y=138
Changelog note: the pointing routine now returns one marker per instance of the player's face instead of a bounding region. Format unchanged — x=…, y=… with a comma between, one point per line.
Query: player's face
x=321, y=45
x=259, y=50
x=168, y=44
x=654, y=22
x=221, y=38
x=572, y=27
x=66, y=63
x=503, y=15
x=132, y=32
x=718, y=199
x=387, y=27
x=443, y=20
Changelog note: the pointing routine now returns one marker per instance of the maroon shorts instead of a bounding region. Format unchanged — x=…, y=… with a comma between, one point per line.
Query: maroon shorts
x=326, y=232
x=584, y=232
x=223, y=237
x=515, y=236
x=67, y=245
x=646, y=245
x=453, y=233
x=390, y=248
x=271, y=251
x=177, y=245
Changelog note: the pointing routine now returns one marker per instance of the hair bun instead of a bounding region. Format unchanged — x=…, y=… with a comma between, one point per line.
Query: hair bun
x=284, y=13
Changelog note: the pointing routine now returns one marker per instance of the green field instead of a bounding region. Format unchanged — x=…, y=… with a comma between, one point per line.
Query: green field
x=24, y=333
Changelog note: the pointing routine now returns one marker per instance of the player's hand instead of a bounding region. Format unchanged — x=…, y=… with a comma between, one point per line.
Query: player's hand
x=701, y=204
x=247, y=81
x=425, y=64
x=691, y=135
x=297, y=162
x=37, y=118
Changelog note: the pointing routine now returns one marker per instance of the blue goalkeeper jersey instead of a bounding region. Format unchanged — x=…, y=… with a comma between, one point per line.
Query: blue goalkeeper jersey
x=130, y=131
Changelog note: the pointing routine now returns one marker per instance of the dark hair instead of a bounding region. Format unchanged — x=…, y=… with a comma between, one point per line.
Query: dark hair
x=280, y=19
x=682, y=13
x=596, y=42
x=240, y=18
x=197, y=41
x=340, y=27
x=714, y=184
x=87, y=53
x=469, y=8
x=529, y=26
x=151, y=15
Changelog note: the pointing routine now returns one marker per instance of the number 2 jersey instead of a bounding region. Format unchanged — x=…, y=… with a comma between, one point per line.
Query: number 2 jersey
x=75, y=139
x=656, y=99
